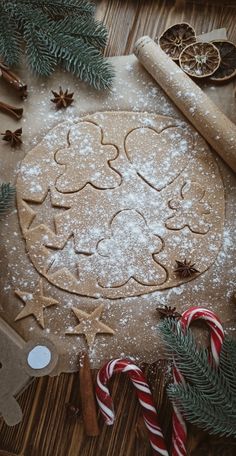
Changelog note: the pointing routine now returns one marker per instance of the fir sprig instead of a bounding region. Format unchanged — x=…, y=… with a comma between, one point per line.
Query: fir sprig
x=61, y=32
x=228, y=361
x=7, y=195
x=60, y=8
x=208, y=399
x=199, y=410
x=10, y=40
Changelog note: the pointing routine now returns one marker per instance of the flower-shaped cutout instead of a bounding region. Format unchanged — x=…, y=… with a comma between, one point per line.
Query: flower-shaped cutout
x=86, y=160
x=129, y=252
x=190, y=210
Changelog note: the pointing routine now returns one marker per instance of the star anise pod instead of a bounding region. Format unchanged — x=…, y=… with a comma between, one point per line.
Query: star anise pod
x=62, y=99
x=13, y=137
x=185, y=268
x=72, y=410
x=168, y=312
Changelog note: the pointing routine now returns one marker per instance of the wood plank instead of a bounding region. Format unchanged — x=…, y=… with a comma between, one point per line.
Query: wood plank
x=129, y=20
x=48, y=429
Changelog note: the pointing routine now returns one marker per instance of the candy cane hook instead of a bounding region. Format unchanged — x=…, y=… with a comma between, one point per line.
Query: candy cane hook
x=144, y=395
x=179, y=433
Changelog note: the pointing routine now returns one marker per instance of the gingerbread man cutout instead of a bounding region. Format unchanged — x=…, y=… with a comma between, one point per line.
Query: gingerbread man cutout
x=87, y=160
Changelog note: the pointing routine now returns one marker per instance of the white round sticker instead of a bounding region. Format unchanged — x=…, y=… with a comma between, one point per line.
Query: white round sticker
x=39, y=357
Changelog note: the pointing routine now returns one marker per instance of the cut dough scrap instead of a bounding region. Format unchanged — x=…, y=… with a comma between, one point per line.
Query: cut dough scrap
x=38, y=212
x=66, y=256
x=159, y=157
x=87, y=160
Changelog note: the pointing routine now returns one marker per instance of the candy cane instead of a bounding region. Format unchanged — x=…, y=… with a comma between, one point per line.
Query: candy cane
x=216, y=329
x=144, y=395
x=179, y=433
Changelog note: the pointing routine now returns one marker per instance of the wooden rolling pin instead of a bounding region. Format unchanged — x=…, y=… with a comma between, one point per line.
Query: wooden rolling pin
x=206, y=117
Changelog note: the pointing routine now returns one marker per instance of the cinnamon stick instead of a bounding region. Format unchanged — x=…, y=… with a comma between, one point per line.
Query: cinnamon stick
x=13, y=80
x=88, y=404
x=11, y=110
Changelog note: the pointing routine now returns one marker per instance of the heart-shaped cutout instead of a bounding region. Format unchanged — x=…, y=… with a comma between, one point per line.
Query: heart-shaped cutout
x=159, y=157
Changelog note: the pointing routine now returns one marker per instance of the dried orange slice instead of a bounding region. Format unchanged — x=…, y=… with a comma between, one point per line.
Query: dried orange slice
x=176, y=38
x=227, y=68
x=200, y=59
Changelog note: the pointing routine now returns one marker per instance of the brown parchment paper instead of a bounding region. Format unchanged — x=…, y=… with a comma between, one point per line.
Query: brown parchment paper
x=133, y=90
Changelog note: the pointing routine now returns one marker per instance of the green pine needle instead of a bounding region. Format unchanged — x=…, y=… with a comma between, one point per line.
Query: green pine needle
x=61, y=32
x=60, y=8
x=228, y=361
x=92, y=33
x=7, y=195
x=10, y=40
x=198, y=409
x=208, y=399
x=87, y=62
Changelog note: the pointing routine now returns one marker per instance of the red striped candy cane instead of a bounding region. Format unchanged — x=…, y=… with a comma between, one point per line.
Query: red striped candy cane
x=216, y=329
x=144, y=395
x=179, y=433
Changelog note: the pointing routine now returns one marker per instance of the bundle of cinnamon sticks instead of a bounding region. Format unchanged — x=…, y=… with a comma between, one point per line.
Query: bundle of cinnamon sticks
x=14, y=81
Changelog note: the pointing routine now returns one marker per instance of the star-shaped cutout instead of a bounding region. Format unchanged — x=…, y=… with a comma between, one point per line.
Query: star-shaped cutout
x=67, y=257
x=35, y=303
x=45, y=213
x=90, y=324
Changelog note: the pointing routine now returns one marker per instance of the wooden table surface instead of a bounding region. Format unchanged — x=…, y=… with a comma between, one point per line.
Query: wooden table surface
x=47, y=428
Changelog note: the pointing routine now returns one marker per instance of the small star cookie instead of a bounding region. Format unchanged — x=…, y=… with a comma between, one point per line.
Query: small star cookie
x=35, y=303
x=90, y=324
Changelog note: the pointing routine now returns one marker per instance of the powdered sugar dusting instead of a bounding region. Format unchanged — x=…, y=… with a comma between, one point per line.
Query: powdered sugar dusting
x=133, y=318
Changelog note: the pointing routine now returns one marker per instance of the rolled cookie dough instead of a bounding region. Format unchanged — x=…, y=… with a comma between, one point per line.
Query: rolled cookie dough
x=108, y=204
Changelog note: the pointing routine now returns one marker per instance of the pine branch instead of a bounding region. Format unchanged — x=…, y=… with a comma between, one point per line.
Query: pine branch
x=83, y=60
x=60, y=8
x=39, y=59
x=193, y=363
x=93, y=33
x=10, y=41
x=62, y=32
x=199, y=410
x=209, y=399
x=55, y=9
x=7, y=195
x=228, y=361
